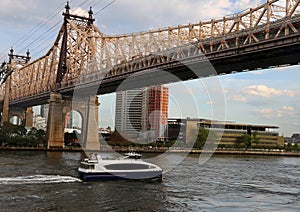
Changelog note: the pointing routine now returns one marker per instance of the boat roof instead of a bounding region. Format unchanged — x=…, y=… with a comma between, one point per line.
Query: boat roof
x=132, y=154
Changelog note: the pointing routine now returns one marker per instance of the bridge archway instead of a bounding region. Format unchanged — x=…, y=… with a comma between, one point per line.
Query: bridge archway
x=86, y=108
x=73, y=128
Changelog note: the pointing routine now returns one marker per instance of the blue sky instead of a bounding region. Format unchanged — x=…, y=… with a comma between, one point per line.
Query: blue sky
x=268, y=96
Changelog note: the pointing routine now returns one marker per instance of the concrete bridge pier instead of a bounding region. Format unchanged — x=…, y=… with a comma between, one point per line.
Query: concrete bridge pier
x=28, y=118
x=25, y=115
x=90, y=133
x=5, y=114
x=55, y=125
x=59, y=107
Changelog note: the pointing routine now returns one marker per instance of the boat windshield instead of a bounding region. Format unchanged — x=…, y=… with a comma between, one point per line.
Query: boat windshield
x=128, y=166
x=133, y=156
x=87, y=166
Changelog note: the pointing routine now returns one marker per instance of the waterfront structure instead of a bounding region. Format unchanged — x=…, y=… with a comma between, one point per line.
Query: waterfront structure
x=176, y=129
x=296, y=138
x=183, y=129
x=230, y=133
x=143, y=113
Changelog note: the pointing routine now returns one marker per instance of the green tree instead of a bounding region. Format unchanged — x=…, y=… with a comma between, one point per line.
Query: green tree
x=289, y=147
x=8, y=128
x=201, y=138
x=296, y=147
x=246, y=138
x=255, y=138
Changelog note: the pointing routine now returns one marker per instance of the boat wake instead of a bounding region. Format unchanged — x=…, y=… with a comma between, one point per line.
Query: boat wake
x=37, y=179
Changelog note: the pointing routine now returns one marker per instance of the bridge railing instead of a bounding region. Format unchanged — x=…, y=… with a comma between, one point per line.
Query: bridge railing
x=123, y=48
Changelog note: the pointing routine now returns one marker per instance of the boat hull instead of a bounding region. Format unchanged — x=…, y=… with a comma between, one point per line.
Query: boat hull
x=102, y=176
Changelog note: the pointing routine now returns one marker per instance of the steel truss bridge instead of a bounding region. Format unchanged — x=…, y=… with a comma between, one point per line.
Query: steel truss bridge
x=82, y=56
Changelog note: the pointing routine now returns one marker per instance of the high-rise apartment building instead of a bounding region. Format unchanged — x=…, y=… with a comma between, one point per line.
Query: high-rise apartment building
x=143, y=113
x=155, y=113
x=129, y=112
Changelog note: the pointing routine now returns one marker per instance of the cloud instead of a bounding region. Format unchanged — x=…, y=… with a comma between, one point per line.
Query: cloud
x=80, y=12
x=238, y=98
x=259, y=94
x=144, y=15
x=265, y=91
x=282, y=112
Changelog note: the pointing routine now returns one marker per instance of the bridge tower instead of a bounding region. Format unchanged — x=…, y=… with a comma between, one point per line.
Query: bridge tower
x=24, y=113
x=60, y=105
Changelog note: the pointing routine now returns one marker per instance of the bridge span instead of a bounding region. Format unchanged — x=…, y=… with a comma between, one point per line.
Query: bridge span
x=85, y=60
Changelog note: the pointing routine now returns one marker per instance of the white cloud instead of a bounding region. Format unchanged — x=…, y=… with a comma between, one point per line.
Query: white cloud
x=282, y=112
x=80, y=12
x=144, y=15
x=238, y=98
x=265, y=91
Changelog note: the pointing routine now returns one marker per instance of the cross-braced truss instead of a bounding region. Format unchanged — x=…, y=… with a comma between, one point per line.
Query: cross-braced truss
x=89, y=51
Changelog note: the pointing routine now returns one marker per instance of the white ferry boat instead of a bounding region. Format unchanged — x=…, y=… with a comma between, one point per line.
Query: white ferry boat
x=130, y=167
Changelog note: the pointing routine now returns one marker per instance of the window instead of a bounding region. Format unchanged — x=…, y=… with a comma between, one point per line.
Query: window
x=128, y=166
x=87, y=166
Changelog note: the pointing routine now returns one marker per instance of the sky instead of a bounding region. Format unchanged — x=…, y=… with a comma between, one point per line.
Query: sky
x=264, y=97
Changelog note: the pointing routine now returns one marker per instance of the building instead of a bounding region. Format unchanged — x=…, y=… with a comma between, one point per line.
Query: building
x=44, y=110
x=69, y=120
x=176, y=129
x=183, y=129
x=73, y=120
x=129, y=113
x=155, y=113
x=296, y=138
x=230, y=133
x=39, y=122
x=143, y=113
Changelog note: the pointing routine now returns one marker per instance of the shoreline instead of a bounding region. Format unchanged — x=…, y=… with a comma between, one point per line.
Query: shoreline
x=163, y=150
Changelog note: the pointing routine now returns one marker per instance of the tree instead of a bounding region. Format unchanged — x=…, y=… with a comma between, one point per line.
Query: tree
x=201, y=138
x=8, y=128
x=246, y=138
x=255, y=138
x=296, y=147
x=289, y=147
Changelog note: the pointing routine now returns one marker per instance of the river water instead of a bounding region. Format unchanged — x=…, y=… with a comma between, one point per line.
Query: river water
x=47, y=181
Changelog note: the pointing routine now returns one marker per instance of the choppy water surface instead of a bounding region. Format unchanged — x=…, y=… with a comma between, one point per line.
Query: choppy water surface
x=39, y=181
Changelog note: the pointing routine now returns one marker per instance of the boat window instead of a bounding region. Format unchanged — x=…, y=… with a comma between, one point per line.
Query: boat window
x=135, y=157
x=87, y=166
x=127, y=166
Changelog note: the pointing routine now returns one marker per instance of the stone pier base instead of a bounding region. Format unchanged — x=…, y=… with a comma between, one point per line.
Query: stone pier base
x=55, y=125
x=29, y=118
x=59, y=107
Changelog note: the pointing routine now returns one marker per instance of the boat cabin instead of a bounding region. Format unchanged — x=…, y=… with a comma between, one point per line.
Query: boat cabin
x=132, y=155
